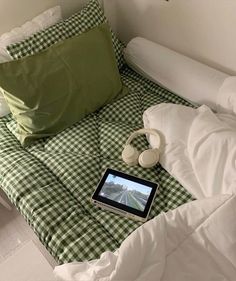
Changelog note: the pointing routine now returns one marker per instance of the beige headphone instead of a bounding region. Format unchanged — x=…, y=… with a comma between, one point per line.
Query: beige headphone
x=148, y=158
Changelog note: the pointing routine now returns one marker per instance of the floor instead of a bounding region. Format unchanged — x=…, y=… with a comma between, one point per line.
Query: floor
x=15, y=233
x=27, y=264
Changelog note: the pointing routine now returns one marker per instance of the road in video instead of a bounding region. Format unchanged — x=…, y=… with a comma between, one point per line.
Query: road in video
x=126, y=192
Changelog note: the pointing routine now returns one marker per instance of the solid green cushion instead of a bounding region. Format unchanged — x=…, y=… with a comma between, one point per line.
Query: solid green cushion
x=53, y=89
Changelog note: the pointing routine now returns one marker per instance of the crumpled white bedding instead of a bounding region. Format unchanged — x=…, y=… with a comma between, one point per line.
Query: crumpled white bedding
x=196, y=241
x=200, y=150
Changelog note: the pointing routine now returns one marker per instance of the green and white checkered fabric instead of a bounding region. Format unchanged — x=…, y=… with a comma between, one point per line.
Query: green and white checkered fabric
x=52, y=181
x=89, y=17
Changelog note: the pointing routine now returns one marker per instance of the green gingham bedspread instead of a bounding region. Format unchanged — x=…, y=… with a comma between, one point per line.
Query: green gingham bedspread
x=52, y=181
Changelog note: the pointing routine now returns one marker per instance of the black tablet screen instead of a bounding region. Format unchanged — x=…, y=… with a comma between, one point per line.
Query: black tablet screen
x=125, y=192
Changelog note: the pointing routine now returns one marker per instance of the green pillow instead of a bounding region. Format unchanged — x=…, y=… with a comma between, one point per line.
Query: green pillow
x=53, y=89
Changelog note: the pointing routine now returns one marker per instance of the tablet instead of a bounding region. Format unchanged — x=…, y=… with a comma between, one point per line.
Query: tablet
x=125, y=194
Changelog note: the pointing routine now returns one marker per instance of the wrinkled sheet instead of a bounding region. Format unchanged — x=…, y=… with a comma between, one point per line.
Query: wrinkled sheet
x=196, y=241
x=198, y=147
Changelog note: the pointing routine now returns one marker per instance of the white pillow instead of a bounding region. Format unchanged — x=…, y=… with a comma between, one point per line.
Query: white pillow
x=42, y=21
x=226, y=101
x=186, y=77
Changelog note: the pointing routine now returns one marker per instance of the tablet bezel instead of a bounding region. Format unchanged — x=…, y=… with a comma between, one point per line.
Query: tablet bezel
x=118, y=206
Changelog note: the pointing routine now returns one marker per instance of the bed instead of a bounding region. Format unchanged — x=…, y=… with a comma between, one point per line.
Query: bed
x=51, y=182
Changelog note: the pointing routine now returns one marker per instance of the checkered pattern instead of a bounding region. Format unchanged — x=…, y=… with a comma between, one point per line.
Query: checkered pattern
x=51, y=182
x=90, y=16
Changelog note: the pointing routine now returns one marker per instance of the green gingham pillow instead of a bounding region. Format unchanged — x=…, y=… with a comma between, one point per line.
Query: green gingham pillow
x=90, y=16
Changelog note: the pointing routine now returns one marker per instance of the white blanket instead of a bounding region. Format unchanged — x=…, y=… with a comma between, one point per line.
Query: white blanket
x=198, y=147
x=197, y=241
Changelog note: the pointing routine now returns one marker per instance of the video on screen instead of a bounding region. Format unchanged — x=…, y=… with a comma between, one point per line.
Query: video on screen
x=126, y=192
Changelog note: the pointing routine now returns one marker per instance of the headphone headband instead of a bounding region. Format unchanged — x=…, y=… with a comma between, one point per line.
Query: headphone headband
x=144, y=131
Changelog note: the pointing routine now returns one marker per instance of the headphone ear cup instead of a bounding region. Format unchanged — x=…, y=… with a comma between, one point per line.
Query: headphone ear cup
x=148, y=158
x=130, y=155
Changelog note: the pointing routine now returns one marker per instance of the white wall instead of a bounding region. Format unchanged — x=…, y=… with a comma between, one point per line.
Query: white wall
x=202, y=29
x=16, y=12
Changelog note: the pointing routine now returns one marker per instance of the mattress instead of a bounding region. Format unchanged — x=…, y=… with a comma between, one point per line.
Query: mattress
x=51, y=182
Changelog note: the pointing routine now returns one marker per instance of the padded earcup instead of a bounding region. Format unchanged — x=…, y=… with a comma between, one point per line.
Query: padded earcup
x=130, y=155
x=148, y=158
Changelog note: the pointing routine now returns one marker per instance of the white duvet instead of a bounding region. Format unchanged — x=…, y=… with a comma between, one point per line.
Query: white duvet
x=197, y=241
x=198, y=147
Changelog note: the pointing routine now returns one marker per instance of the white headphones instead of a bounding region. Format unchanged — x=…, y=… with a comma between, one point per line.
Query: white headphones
x=148, y=158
